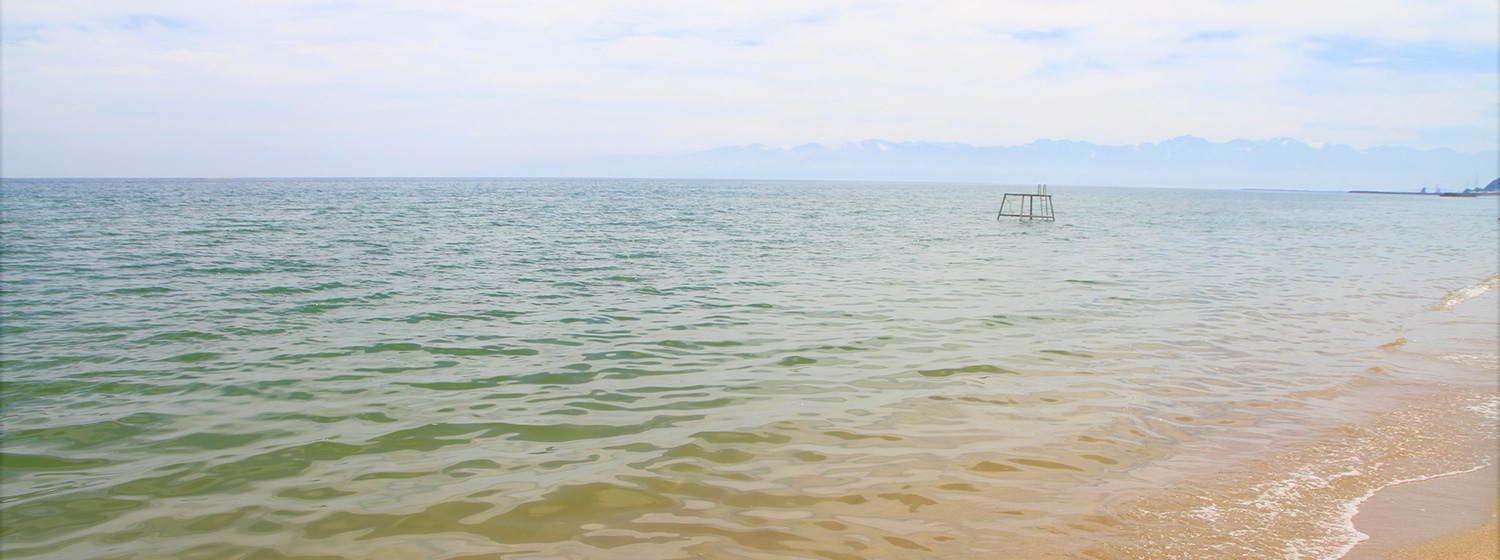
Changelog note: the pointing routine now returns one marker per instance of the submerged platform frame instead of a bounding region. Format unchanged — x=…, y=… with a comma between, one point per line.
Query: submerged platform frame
x=1027, y=206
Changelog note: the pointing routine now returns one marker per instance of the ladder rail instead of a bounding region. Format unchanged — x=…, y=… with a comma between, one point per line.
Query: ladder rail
x=1027, y=207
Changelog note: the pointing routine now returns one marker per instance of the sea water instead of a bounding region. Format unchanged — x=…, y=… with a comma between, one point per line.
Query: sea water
x=689, y=369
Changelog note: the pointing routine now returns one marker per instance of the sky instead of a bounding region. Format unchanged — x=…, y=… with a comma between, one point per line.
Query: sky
x=444, y=87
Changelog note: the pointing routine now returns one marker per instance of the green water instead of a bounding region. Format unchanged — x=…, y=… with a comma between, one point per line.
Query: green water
x=638, y=369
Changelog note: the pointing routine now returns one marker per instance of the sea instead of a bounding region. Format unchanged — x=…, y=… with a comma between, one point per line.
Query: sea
x=675, y=369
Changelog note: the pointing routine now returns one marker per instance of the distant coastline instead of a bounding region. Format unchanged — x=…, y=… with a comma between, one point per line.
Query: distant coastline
x=1289, y=190
x=1492, y=189
x=1466, y=194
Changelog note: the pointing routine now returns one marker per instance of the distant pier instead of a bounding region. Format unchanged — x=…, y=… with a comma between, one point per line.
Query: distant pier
x=1463, y=194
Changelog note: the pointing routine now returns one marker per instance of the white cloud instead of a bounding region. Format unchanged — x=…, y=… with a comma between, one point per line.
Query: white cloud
x=379, y=87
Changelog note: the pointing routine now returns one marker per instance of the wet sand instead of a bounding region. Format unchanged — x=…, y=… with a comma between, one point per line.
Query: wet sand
x=1451, y=517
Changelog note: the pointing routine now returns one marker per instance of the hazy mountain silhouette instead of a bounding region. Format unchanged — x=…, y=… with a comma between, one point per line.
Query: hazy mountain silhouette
x=1185, y=161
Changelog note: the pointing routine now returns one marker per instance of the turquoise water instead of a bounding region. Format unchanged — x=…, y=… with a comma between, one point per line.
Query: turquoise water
x=671, y=369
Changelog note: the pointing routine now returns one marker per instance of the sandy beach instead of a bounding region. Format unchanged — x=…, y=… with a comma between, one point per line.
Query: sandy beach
x=1452, y=517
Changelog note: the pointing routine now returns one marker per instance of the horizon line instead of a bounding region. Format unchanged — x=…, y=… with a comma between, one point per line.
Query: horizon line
x=705, y=179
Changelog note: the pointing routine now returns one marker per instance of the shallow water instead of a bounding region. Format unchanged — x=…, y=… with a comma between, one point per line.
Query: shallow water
x=672, y=369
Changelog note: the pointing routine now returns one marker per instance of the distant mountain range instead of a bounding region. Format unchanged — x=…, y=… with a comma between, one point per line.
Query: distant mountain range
x=1186, y=161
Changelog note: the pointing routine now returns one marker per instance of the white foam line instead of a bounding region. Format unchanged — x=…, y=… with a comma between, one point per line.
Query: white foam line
x=1466, y=293
x=1351, y=509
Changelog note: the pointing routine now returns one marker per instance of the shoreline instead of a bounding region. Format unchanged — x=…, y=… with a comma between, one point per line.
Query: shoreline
x=1446, y=516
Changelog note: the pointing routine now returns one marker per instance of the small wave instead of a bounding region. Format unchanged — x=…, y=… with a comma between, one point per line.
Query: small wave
x=435, y=316
x=181, y=336
x=618, y=355
x=460, y=385
x=1490, y=408
x=982, y=368
x=490, y=350
x=1480, y=360
x=18, y=461
x=144, y=290
x=1093, y=282
x=54, y=362
x=1466, y=293
x=89, y=435
x=403, y=369
x=282, y=290
x=227, y=270
x=192, y=357
x=320, y=306
x=301, y=358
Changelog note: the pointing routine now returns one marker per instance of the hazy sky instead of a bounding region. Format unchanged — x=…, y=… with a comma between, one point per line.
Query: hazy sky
x=384, y=88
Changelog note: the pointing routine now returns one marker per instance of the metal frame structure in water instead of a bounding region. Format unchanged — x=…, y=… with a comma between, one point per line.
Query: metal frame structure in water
x=1028, y=206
